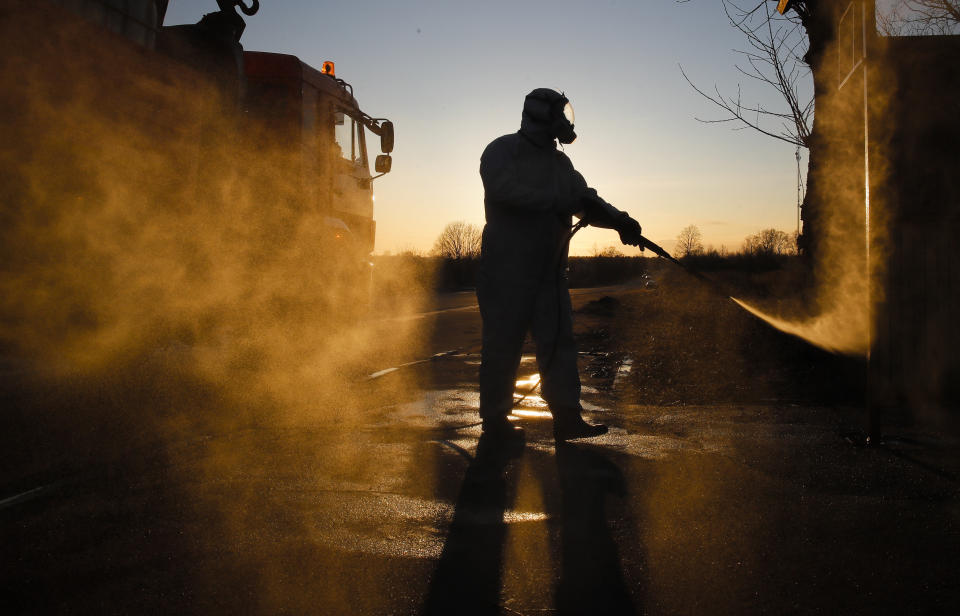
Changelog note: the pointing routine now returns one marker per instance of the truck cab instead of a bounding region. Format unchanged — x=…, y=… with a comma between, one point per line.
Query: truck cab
x=316, y=115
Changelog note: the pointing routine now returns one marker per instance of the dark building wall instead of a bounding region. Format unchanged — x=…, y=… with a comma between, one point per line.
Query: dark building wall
x=910, y=89
x=917, y=346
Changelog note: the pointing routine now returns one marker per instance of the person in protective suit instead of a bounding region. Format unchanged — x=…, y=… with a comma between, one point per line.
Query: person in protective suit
x=531, y=193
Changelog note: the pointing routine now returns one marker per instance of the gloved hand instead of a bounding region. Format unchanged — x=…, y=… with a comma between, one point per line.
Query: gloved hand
x=630, y=232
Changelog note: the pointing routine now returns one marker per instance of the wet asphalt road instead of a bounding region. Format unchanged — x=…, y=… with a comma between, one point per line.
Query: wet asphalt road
x=678, y=510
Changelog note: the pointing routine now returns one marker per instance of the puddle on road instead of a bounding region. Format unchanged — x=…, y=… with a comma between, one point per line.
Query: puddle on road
x=369, y=521
x=527, y=401
x=378, y=519
x=443, y=407
x=530, y=413
x=440, y=407
x=455, y=411
x=528, y=383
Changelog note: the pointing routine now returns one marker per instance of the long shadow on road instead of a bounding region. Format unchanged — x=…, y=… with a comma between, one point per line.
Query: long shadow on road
x=469, y=575
x=591, y=573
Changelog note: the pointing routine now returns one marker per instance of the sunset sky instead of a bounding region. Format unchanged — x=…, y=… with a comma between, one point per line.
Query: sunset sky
x=452, y=76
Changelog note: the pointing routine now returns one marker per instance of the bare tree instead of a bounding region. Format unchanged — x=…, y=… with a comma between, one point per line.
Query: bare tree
x=919, y=17
x=689, y=241
x=778, y=57
x=783, y=51
x=769, y=242
x=459, y=240
x=777, y=44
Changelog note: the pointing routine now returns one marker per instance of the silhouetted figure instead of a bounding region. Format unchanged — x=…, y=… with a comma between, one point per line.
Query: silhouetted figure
x=531, y=192
x=468, y=577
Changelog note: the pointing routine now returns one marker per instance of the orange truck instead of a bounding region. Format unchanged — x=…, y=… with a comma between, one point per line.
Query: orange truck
x=183, y=114
x=293, y=104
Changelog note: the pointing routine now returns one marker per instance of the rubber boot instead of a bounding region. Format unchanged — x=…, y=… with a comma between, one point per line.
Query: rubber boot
x=575, y=427
x=500, y=430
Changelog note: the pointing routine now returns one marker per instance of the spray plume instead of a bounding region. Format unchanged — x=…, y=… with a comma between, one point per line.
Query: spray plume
x=846, y=218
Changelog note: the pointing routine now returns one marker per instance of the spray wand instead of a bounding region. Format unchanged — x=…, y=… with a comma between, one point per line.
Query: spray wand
x=643, y=244
x=660, y=252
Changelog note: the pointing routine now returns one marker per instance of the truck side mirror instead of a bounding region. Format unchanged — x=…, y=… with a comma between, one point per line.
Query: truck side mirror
x=386, y=137
x=383, y=163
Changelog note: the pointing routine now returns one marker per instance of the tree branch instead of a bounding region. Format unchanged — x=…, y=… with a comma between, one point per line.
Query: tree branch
x=774, y=59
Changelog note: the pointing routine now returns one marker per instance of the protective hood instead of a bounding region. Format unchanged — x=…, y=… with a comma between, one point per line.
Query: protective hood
x=547, y=115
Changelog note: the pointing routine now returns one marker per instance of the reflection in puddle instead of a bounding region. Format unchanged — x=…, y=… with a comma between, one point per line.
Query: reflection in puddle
x=524, y=396
x=438, y=407
x=529, y=404
x=531, y=413
x=531, y=401
x=449, y=407
x=528, y=383
x=511, y=517
x=622, y=372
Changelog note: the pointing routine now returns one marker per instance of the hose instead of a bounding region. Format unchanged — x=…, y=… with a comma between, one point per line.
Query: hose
x=643, y=244
x=561, y=249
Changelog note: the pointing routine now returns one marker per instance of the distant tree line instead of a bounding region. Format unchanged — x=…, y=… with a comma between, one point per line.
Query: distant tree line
x=770, y=242
x=766, y=242
x=767, y=249
x=454, y=260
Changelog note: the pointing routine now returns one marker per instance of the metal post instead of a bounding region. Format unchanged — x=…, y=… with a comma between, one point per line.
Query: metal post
x=873, y=419
x=799, y=193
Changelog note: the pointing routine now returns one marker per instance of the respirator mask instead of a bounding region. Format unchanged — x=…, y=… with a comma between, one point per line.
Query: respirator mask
x=552, y=110
x=563, y=122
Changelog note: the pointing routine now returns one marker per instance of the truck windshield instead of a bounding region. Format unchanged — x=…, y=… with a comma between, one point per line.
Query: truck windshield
x=347, y=137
